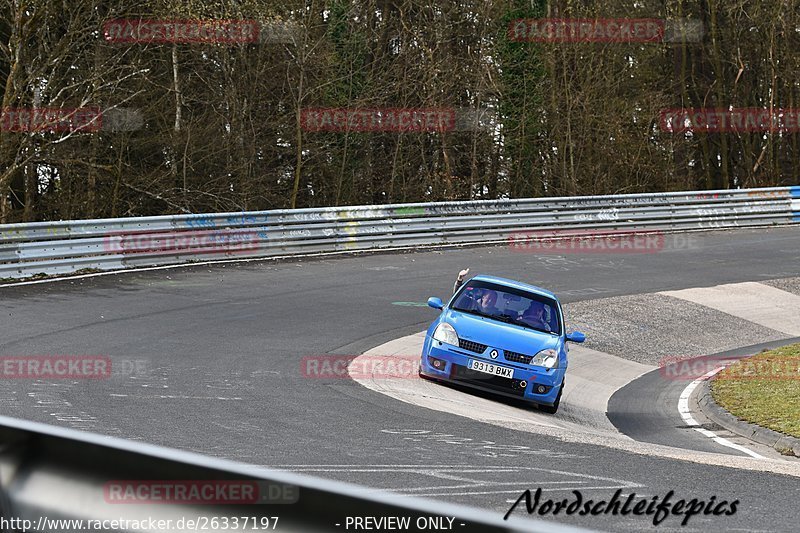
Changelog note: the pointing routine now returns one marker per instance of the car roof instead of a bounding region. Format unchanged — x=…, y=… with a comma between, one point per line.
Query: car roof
x=515, y=284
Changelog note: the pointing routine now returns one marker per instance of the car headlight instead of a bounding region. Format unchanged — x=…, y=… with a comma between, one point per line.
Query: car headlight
x=446, y=333
x=547, y=358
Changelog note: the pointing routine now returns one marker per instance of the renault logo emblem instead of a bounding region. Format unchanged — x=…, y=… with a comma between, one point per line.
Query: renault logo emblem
x=493, y=354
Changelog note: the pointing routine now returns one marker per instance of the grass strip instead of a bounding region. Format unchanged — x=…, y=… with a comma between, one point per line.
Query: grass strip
x=763, y=389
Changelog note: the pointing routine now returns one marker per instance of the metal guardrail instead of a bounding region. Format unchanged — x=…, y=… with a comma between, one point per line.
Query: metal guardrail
x=112, y=244
x=53, y=477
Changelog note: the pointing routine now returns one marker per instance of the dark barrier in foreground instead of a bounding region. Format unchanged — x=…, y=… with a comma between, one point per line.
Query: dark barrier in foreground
x=55, y=479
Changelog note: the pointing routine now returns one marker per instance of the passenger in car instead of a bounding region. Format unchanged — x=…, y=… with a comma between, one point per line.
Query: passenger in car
x=534, y=316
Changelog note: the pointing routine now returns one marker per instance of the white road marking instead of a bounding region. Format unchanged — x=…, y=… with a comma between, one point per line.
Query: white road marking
x=519, y=491
x=428, y=470
x=686, y=414
x=474, y=485
x=498, y=483
x=622, y=495
x=172, y=397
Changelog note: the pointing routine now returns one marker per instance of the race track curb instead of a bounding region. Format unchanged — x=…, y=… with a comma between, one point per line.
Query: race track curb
x=784, y=444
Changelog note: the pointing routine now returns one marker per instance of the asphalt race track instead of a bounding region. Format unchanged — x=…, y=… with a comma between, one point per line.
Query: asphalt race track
x=208, y=359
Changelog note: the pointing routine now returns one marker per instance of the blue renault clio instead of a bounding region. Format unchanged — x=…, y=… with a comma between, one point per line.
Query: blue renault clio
x=500, y=336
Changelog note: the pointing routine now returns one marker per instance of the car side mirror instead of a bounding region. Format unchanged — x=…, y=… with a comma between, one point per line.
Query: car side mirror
x=436, y=303
x=576, y=336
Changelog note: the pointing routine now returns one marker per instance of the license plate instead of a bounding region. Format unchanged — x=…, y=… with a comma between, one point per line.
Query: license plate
x=494, y=370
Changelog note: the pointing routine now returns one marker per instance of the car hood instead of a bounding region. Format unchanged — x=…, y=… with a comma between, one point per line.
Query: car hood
x=498, y=334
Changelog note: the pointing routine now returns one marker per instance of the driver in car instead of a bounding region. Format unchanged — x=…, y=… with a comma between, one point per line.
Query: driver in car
x=485, y=300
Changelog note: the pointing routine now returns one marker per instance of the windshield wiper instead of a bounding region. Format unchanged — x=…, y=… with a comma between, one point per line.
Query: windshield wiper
x=500, y=318
x=474, y=312
x=534, y=328
x=469, y=311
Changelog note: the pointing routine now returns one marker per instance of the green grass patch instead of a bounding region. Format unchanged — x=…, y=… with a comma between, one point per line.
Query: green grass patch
x=763, y=389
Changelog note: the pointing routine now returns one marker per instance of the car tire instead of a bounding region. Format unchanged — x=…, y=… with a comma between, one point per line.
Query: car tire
x=551, y=409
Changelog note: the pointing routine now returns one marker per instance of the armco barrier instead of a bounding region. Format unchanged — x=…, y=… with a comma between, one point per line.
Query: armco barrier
x=111, y=244
x=50, y=474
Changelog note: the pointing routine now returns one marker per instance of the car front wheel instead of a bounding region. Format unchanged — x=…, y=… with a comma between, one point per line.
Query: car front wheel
x=551, y=409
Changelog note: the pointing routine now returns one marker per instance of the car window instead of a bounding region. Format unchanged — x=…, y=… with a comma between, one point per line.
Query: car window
x=509, y=305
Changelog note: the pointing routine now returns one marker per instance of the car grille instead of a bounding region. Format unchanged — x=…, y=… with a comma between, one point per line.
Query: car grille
x=462, y=374
x=516, y=357
x=471, y=346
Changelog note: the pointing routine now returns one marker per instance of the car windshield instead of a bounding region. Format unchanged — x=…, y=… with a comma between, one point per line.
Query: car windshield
x=509, y=305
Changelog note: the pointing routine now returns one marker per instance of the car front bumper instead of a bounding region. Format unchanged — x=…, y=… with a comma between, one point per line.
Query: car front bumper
x=455, y=361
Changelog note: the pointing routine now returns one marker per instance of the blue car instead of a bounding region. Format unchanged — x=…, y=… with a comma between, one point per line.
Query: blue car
x=500, y=336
